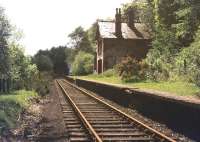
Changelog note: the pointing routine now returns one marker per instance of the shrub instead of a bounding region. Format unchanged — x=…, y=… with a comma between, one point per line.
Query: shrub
x=131, y=69
x=11, y=105
x=42, y=83
x=188, y=61
x=161, y=56
x=83, y=64
x=109, y=73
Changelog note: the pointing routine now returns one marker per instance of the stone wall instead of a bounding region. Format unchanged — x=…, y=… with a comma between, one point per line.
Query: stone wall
x=115, y=49
x=181, y=117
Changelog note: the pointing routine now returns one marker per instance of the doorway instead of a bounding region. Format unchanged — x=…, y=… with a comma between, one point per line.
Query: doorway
x=99, y=66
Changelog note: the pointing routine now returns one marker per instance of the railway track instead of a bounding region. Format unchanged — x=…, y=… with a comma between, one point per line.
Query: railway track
x=88, y=118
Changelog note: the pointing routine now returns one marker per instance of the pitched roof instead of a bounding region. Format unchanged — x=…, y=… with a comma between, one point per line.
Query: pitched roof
x=107, y=30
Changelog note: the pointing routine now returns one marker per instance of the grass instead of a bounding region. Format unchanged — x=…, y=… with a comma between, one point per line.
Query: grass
x=11, y=105
x=176, y=87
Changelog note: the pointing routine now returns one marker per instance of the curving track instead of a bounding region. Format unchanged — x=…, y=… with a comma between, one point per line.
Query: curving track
x=90, y=119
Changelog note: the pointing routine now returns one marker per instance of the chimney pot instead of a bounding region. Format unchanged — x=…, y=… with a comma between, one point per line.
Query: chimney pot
x=118, y=31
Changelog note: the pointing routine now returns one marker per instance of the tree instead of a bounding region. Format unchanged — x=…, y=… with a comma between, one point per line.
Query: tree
x=188, y=20
x=16, y=55
x=22, y=71
x=188, y=61
x=180, y=17
x=173, y=24
x=5, y=30
x=80, y=40
x=83, y=64
x=138, y=8
x=58, y=57
x=43, y=63
x=70, y=54
x=92, y=36
x=13, y=63
x=77, y=36
x=173, y=28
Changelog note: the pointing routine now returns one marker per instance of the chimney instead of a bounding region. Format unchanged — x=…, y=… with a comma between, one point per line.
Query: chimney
x=131, y=18
x=118, y=31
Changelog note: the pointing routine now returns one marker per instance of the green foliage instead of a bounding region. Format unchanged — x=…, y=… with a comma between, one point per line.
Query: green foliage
x=175, y=23
x=166, y=12
x=77, y=36
x=11, y=105
x=80, y=41
x=5, y=30
x=131, y=69
x=92, y=35
x=70, y=54
x=13, y=63
x=42, y=83
x=187, y=20
x=143, y=13
x=91, y=32
x=19, y=97
x=181, y=88
x=22, y=71
x=29, y=76
x=161, y=56
x=173, y=62
x=56, y=59
x=43, y=63
x=188, y=61
x=83, y=64
x=109, y=73
x=16, y=56
x=180, y=17
x=137, y=6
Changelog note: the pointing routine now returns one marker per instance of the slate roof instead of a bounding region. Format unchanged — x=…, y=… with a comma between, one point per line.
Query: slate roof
x=107, y=30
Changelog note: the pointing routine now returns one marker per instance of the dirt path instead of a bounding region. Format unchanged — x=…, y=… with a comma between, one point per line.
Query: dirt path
x=52, y=127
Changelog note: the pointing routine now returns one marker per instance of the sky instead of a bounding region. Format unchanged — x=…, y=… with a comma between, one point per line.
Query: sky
x=47, y=23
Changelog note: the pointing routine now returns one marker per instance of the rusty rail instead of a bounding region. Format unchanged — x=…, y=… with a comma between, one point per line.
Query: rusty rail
x=146, y=128
x=82, y=117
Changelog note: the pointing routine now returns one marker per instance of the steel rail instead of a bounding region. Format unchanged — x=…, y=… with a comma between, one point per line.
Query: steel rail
x=82, y=117
x=153, y=131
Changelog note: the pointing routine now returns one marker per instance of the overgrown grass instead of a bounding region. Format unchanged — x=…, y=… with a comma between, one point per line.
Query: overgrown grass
x=11, y=105
x=42, y=84
x=176, y=87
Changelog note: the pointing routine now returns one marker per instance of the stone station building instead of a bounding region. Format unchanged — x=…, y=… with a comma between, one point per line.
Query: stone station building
x=117, y=39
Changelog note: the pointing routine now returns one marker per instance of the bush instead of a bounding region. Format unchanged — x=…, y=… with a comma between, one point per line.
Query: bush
x=109, y=73
x=188, y=62
x=83, y=64
x=161, y=56
x=11, y=105
x=42, y=83
x=131, y=69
